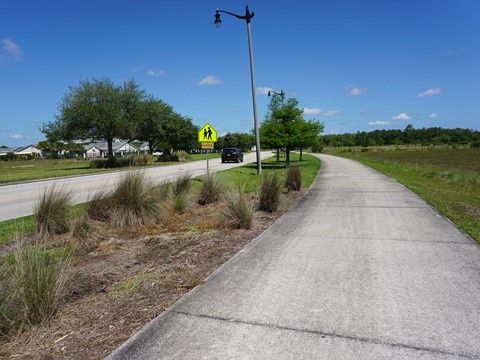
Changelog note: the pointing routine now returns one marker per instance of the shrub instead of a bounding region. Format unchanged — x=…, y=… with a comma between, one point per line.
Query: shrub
x=52, y=212
x=269, y=193
x=39, y=277
x=239, y=211
x=210, y=191
x=182, y=184
x=183, y=155
x=293, y=180
x=135, y=201
x=142, y=160
x=110, y=163
x=167, y=157
x=475, y=145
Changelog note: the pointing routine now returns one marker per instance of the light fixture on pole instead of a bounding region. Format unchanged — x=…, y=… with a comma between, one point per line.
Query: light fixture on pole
x=248, y=15
x=281, y=94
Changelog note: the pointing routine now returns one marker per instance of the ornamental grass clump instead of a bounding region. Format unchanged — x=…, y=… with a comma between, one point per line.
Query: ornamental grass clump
x=182, y=184
x=238, y=212
x=52, y=212
x=269, y=193
x=211, y=190
x=180, y=202
x=39, y=275
x=5, y=295
x=100, y=206
x=293, y=178
x=136, y=201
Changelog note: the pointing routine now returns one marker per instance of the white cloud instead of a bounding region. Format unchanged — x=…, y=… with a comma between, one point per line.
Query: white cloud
x=382, y=123
x=317, y=111
x=263, y=90
x=18, y=137
x=402, y=116
x=12, y=49
x=311, y=111
x=210, y=80
x=153, y=73
x=9, y=51
x=433, y=116
x=329, y=112
x=356, y=90
x=430, y=92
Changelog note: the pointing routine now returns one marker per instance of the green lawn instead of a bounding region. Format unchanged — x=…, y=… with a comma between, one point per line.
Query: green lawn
x=449, y=179
x=26, y=170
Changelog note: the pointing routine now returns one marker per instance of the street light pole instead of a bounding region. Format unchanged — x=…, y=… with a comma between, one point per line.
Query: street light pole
x=247, y=17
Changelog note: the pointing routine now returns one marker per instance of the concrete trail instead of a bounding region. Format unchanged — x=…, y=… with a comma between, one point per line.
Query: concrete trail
x=360, y=268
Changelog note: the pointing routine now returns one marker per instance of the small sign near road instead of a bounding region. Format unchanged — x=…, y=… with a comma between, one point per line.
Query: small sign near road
x=208, y=146
x=207, y=134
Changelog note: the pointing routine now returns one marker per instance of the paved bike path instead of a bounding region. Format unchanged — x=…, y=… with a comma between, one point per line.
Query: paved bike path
x=360, y=268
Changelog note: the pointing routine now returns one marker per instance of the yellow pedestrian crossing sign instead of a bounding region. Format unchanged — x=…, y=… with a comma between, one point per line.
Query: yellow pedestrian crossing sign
x=207, y=134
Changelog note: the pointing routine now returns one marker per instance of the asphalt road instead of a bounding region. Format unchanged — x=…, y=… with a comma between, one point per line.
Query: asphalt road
x=360, y=268
x=18, y=200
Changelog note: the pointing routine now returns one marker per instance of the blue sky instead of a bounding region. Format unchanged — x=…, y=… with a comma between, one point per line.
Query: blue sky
x=355, y=65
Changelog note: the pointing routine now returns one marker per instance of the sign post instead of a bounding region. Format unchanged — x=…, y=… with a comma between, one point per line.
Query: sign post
x=207, y=136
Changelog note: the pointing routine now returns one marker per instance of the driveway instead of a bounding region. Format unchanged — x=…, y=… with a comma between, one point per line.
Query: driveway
x=360, y=268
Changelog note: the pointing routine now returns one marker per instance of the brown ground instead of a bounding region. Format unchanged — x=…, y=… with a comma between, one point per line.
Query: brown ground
x=121, y=280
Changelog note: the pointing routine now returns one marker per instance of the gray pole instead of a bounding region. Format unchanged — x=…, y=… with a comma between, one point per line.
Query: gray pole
x=254, y=97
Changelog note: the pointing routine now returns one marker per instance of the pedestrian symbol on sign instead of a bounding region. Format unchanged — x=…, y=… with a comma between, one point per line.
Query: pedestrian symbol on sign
x=207, y=134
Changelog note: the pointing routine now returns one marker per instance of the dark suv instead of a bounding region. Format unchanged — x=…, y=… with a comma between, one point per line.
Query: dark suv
x=232, y=154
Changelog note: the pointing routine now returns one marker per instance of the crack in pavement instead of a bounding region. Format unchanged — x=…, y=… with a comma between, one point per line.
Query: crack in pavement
x=330, y=335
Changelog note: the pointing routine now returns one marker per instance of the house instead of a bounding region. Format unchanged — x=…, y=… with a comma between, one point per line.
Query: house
x=100, y=149
x=30, y=150
x=143, y=149
x=5, y=151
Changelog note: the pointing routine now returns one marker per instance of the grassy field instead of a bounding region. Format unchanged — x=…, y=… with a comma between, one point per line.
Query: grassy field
x=244, y=176
x=448, y=179
x=27, y=170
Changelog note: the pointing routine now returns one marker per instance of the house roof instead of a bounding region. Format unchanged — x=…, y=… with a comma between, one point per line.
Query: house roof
x=7, y=150
x=103, y=145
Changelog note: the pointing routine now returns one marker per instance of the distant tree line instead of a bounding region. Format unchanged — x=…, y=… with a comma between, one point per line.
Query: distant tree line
x=241, y=140
x=410, y=135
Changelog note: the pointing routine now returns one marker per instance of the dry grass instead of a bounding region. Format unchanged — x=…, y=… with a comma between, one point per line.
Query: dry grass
x=182, y=184
x=39, y=275
x=136, y=201
x=269, y=193
x=52, y=212
x=123, y=278
x=211, y=190
x=238, y=211
x=99, y=206
x=293, y=178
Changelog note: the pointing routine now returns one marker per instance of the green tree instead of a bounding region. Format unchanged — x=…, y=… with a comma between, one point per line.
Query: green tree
x=285, y=128
x=97, y=109
x=309, y=134
x=240, y=140
x=178, y=133
x=151, y=120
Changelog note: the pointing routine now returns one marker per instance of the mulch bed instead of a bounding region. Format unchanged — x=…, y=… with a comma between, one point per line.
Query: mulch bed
x=123, y=279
